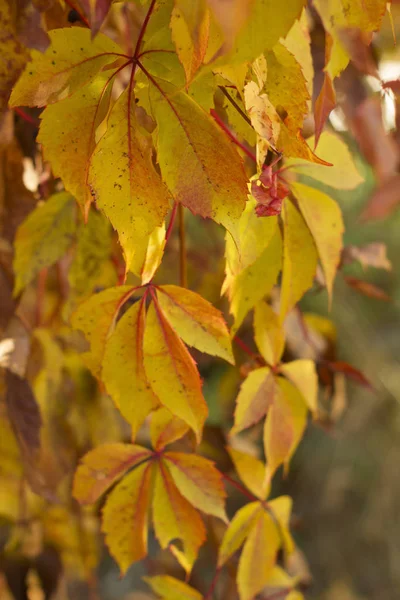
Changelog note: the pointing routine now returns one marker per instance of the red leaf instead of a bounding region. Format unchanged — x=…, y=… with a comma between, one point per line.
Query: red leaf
x=350, y=372
x=324, y=105
x=366, y=288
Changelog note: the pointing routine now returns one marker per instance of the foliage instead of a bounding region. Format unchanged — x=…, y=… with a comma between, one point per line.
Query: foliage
x=147, y=109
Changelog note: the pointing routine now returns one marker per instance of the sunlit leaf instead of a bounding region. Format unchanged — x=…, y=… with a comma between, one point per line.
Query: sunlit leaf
x=208, y=177
x=123, y=370
x=102, y=467
x=71, y=60
x=125, y=517
x=256, y=395
x=238, y=530
x=268, y=333
x=196, y=321
x=154, y=254
x=251, y=471
x=169, y=588
x=125, y=183
x=43, y=237
x=96, y=317
x=172, y=372
x=324, y=105
x=175, y=518
x=165, y=428
x=198, y=481
x=258, y=557
x=324, y=219
x=302, y=373
x=299, y=258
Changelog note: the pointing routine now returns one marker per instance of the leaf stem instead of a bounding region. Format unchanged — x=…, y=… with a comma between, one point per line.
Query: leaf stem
x=241, y=488
x=25, y=116
x=235, y=105
x=171, y=222
x=247, y=350
x=81, y=15
x=143, y=29
x=210, y=591
x=234, y=139
x=182, y=247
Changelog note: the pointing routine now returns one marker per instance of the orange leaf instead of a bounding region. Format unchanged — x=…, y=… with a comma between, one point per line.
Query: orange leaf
x=101, y=467
x=324, y=105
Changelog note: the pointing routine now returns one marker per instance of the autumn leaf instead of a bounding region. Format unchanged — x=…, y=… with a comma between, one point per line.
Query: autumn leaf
x=102, y=467
x=43, y=238
x=302, y=373
x=172, y=372
x=196, y=321
x=210, y=159
x=67, y=134
x=189, y=24
x=23, y=411
x=154, y=254
x=71, y=61
x=268, y=333
x=251, y=471
x=324, y=220
x=125, y=183
x=256, y=395
x=324, y=105
x=169, y=588
x=123, y=370
x=165, y=428
x=299, y=258
x=96, y=318
x=238, y=530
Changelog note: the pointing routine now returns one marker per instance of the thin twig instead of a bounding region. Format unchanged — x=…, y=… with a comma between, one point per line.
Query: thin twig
x=171, y=222
x=209, y=593
x=235, y=105
x=143, y=29
x=182, y=247
x=79, y=13
x=26, y=117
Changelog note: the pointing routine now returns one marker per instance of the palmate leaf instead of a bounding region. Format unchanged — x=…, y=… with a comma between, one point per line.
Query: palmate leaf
x=174, y=484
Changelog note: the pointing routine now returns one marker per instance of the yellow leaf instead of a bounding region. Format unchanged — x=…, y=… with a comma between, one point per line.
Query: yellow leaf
x=125, y=517
x=282, y=510
x=303, y=374
x=169, y=588
x=263, y=115
x=172, y=372
x=256, y=394
x=258, y=557
x=154, y=254
x=238, y=530
x=102, y=467
x=123, y=371
x=43, y=237
x=175, y=519
x=251, y=471
x=255, y=37
x=284, y=425
x=96, y=317
x=255, y=235
x=165, y=428
x=199, y=163
x=198, y=481
x=71, y=60
x=299, y=258
x=298, y=42
x=342, y=175
x=324, y=219
x=190, y=30
x=255, y=281
x=67, y=134
x=268, y=333
x=125, y=184
x=196, y=321
x=240, y=126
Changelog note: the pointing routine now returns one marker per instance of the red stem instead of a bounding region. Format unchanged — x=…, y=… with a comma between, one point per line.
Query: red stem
x=81, y=15
x=171, y=222
x=26, y=117
x=143, y=29
x=245, y=348
x=241, y=488
x=211, y=589
x=234, y=139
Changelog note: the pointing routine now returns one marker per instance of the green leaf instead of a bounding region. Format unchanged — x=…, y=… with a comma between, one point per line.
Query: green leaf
x=71, y=60
x=43, y=237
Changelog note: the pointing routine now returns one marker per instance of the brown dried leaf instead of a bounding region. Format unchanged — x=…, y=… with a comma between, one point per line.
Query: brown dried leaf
x=366, y=288
x=23, y=411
